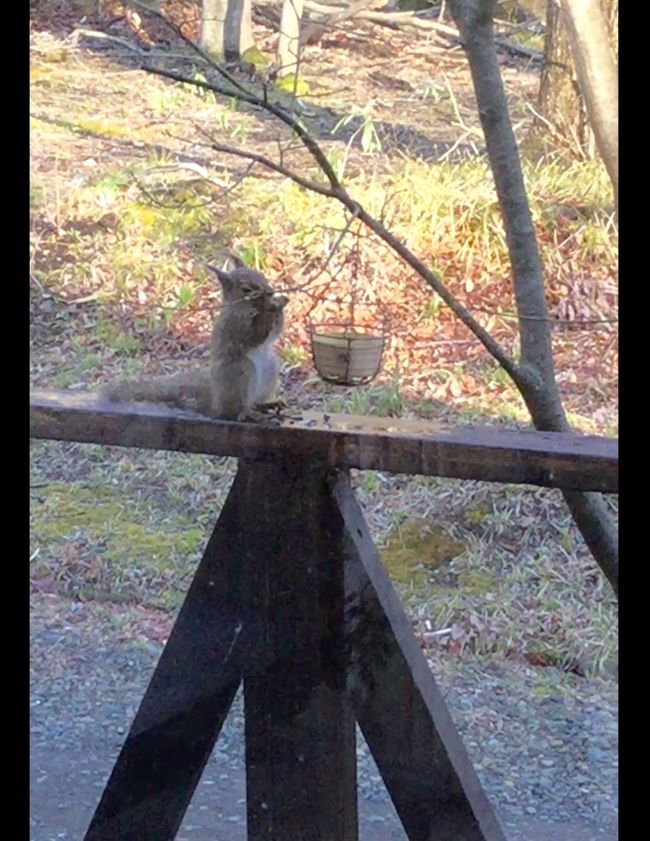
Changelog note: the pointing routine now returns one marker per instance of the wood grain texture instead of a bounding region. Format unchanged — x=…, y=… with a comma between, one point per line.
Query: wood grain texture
x=549, y=459
x=186, y=703
x=300, y=732
x=395, y=699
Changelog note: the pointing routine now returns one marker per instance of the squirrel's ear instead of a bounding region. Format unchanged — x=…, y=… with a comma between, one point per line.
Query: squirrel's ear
x=224, y=277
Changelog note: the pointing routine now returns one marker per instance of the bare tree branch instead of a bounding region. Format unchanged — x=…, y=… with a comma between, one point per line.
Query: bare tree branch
x=267, y=162
x=338, y=192
x=261, y=102
x=535, y=376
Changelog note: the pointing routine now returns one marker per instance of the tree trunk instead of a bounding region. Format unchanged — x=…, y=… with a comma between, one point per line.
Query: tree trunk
x=213, y=18
x=560, y=102
x=587, y=26
x=238, y=30
x=288, y=49
x=535, y=376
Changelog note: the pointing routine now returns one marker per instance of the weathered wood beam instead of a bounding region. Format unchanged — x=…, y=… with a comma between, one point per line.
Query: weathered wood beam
x=300, y=732
x=397, y=703
x=186, y=703
x=548, y=459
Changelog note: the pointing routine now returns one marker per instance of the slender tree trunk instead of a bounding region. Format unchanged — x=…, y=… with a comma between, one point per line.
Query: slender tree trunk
x=213, y=18
x=610, y=8
x=287, y=55
x=588, y=31
x=238, y=30
x=560, y=102
x=535, y=376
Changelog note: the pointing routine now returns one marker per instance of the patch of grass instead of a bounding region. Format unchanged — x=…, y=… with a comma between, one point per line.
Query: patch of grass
x=478, y=582
x=293, y=85
x=432, y=309
x=497, y=375
x=295, y=356
x=370, y=481
x=384, y=400
x=90, y=361
x=476, y=516
x=163, y=101
x=522, y=580
x=104, y=127
x=167, y=225
x=36, y=195
x=64, y=379
x=110, y=336
x=101, y=545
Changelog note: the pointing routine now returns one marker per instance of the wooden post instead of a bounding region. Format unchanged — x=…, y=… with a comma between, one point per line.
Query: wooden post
x=266, y=602
x=300, y=733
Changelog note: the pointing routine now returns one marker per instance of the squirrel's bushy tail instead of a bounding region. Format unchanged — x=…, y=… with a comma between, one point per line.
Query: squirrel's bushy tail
x=185, y=390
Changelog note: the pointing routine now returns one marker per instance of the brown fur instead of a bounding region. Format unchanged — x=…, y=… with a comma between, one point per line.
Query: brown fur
x=243, y=369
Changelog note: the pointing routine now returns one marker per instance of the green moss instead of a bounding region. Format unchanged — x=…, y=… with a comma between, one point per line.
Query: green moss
x=291, y=84
x=476, y=516
x=548, y=690
x=165, y=224
x=102, y=127
x=96, y=541
x=255, y=57
x=477, y=582
x=416, y=549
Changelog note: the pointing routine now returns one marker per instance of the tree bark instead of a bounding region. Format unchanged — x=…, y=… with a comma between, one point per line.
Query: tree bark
x=535, y=376
x=213, y=18
x=238, y=29
x=317, y=28
x=288, y=48
x=560, y=103
x=588, y=32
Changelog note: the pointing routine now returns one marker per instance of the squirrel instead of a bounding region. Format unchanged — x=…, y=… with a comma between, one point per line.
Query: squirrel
x=244, y=367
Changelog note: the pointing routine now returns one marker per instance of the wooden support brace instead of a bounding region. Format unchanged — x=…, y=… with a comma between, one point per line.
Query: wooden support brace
x=185, y=705
x=398, y=705
x=290, y=596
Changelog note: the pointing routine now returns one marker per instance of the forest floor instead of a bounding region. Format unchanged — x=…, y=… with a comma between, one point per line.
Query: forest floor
x=128, y=203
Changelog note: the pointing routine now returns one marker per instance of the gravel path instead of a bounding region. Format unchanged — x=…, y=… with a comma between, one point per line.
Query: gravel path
x=545, y=745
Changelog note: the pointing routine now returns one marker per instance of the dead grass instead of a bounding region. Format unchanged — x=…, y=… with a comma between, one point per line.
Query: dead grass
x=126, y=209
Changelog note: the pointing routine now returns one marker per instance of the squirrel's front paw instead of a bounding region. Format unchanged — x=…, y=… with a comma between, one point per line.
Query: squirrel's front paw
x=253, y=416
x=272, y=406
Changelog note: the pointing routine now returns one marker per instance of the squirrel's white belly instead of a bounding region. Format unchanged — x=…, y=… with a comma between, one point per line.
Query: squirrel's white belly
x=265, y=364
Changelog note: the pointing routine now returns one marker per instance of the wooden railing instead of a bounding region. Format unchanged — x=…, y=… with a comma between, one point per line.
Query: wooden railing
x=291, y=599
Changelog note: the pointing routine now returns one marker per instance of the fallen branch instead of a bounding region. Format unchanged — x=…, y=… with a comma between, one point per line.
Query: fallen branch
x=334, y=15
